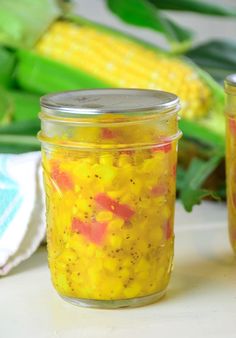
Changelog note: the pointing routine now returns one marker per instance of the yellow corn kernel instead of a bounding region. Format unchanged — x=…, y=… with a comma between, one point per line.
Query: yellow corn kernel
x=149, y=165
x=156, y=235
x=117, y=287
x=83, y=205
x=94, y=275
x=115, y=241
x=142, y=265
x=68, y=255
x=124, y=274
x=106, y=159
x=76, y=242
x=116, y=194
x=159, y=274
x=113, y=287
x=160, y=200
x=75, y=278
x=74, y=210
x=108, y=174
x=104, y=216
x=133, y=290
x=127, y=263
x=124, y=160
x=99, y=253
x=62, y=284
x=77, y=188
x=166, y=212
x=60, y=266
x=110, y=264
x=116, y=224
x=90, y=250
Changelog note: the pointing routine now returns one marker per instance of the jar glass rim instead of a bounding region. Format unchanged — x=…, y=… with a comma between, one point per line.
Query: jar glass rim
x=90, y=102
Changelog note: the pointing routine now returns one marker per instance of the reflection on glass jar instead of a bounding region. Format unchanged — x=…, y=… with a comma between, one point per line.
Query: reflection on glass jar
x=109, y=160
x=230, y=88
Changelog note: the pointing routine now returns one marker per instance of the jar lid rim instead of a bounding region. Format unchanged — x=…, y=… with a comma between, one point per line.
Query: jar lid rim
x=231, y=79
x=107, y=100
x=230, y=84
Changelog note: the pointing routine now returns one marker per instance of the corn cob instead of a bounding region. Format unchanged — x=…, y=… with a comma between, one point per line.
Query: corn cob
x=80, y=54
x=124, y=63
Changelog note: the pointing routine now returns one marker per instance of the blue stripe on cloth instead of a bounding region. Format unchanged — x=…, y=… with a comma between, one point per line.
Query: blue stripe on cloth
x=13, y=209
x=4, y=177
x=9, y=196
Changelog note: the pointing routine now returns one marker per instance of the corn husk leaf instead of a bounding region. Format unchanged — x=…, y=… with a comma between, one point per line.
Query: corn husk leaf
x=7, y=65
x=196, y=6
x=6, y=107
x=202, y=134
x=22, y=22
x=217, y=57
x=190, y=182
x=19, y=137
x=144, y=14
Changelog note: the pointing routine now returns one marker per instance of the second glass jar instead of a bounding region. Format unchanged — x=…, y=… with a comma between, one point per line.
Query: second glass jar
x=109, y=160
x=230, y=88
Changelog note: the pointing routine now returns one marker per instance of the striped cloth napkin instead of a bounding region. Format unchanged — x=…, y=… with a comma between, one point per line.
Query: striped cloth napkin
x=22, y=210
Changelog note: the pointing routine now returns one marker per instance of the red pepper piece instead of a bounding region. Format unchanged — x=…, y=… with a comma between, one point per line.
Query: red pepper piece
x=162, y=148
x=127, y=152
x=120, y=210
x=95, y=232
x=174, y=170
x=232, y=125
x=234, y=199
x=233, y=235
x=159, y=190
x=108, y=133
x=62, y=179
x=167, y=229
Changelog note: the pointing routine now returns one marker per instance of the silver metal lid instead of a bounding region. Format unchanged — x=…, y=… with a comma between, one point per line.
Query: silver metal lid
x=102, y=101
x=230, y=84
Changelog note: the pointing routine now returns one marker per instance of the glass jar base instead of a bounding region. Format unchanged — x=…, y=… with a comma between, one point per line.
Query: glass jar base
x=115, y=304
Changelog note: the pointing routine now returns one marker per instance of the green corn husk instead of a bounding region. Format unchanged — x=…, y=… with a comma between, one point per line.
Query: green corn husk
x=41, y=75
x=25, y=105
x=6, y=107
x=18, y=131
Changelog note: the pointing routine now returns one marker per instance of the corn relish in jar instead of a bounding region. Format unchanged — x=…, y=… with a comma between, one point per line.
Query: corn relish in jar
x=109, y=161
x=230, y=89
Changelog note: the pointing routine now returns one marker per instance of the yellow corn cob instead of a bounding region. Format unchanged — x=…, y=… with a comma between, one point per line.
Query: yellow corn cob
x=122, y=62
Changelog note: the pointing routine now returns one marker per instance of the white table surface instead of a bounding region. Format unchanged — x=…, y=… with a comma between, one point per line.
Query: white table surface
x=201, y=299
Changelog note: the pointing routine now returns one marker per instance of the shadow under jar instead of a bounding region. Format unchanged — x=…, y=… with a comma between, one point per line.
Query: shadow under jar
x=109, y=160
x=230, y=89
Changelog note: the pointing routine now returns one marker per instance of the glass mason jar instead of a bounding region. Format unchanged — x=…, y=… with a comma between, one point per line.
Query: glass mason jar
x=230, y=89
x=109, y=159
